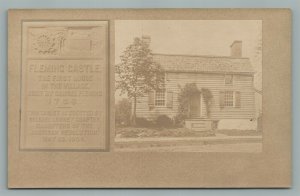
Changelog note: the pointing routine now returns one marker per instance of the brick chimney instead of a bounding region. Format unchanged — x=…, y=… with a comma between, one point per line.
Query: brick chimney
x=146, y=39
x=236, y=49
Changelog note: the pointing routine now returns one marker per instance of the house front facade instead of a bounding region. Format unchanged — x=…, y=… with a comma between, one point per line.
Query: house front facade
x=228, y=78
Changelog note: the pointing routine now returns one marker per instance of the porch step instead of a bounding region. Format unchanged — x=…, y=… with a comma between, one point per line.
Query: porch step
x=198, y=125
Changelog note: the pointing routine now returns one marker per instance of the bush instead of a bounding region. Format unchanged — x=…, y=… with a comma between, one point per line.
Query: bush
x=179, y=120
x=164, y=121
x=143, y=122
x=123, y=112
x=215, y=124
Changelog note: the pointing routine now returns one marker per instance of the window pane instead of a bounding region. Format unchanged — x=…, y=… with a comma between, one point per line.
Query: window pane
x=160, y=98
x=228, y=98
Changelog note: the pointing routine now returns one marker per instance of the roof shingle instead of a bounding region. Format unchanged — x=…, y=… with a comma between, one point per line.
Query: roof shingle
x=191, y=63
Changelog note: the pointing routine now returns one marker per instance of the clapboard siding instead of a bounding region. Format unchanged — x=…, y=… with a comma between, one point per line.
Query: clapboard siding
x=215, y=83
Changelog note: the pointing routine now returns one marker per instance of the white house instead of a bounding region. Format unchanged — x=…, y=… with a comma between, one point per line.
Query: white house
x=229, y=79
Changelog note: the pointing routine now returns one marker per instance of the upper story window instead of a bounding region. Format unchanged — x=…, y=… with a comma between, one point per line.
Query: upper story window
x=228, y=79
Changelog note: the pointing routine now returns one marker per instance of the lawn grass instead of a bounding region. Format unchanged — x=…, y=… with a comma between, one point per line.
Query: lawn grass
x=142, y=132
x=235, y=132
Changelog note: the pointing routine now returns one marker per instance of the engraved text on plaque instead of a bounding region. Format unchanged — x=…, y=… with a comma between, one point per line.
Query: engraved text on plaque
x=63, y=92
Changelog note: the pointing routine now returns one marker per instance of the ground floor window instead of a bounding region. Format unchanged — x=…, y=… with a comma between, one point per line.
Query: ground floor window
x=228, y=99
x=160, y=98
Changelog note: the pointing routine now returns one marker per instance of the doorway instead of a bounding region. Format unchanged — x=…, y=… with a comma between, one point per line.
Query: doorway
x=195, y=106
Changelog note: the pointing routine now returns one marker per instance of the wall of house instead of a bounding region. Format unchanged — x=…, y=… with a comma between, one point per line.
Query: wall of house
x=215, y=83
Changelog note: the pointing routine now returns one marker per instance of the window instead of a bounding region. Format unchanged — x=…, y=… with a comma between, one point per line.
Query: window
x=160, y=98
x=228, y=99
x=228, y=79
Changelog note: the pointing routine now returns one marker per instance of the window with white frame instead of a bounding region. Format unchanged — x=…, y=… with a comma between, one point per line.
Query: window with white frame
x=160, y=98
x=229, y=99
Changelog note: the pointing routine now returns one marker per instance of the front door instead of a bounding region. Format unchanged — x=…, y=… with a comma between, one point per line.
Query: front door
x=195, y=106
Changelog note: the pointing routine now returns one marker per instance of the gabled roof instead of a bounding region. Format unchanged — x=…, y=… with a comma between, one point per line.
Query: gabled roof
x=214, y=64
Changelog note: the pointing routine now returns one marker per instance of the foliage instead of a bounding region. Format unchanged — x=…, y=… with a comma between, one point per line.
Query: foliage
x=138, y=73
x=179, y=120
x=123, y=112
x=184, y=99
x=215, y=125
x=207, y=97
x=189, y=90
x=143, y=122
x=164, y=121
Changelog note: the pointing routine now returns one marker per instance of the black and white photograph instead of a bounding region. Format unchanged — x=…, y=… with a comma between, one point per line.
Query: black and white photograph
x=188, y=85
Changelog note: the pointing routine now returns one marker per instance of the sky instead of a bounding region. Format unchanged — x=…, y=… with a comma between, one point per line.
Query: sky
x=194, y=37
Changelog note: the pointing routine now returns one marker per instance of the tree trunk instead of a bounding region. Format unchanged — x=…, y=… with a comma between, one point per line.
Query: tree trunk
x=134, y=112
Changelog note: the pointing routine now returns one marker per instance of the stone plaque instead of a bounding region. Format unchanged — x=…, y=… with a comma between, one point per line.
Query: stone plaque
x=63, y=85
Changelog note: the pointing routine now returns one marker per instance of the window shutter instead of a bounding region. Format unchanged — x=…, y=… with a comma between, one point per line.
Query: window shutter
x=222, y=99
x=237, y=99
x=151, y=100
x=169, y=99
